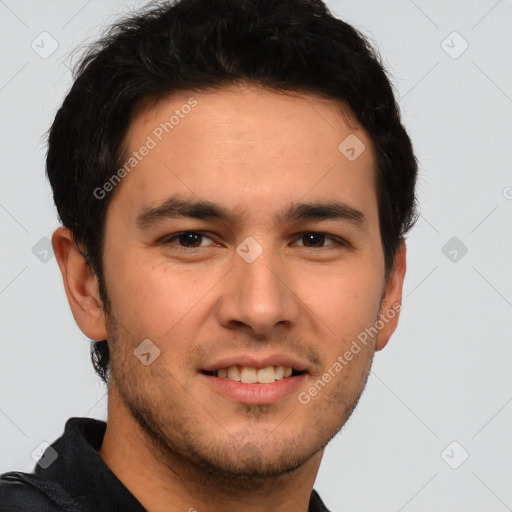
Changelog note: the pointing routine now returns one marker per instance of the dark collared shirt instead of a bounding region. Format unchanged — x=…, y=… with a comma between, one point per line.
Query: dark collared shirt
x=77, y=480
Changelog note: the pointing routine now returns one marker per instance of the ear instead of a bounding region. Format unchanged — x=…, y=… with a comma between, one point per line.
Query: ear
x=81, y=286
x=392, y=302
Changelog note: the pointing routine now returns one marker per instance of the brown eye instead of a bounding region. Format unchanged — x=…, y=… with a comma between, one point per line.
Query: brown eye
x=187, y=239
x=315, y=240
x=190, y=239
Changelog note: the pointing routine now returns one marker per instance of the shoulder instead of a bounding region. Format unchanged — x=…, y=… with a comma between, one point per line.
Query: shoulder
x=23, y=492
x=16, y=495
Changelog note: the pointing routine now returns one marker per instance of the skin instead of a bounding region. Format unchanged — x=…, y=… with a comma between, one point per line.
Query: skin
x=171, y=439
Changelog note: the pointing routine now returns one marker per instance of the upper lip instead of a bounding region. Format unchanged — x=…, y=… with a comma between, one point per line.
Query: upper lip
x=254, y=361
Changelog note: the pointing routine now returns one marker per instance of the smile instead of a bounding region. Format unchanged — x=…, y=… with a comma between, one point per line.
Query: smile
x=250, y=375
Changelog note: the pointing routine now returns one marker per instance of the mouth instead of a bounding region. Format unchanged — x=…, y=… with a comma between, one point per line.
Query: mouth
x=252, y=375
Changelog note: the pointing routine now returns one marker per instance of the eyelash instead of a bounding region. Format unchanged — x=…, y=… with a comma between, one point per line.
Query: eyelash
x=170, y=239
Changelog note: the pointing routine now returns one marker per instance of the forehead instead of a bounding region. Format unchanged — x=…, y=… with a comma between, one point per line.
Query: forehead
x=244, y=145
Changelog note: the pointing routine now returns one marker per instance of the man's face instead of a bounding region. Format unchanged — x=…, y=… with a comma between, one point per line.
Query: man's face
x=252, y=288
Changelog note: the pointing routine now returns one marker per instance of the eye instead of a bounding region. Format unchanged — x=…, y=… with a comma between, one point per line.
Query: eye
x=313, y=239
x=187, y=239
x=196, y=239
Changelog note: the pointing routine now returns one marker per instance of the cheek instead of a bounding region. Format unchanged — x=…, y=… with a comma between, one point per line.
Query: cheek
x=343, y=302
x=154, y=298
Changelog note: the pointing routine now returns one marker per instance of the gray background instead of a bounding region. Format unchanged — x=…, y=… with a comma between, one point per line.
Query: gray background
x=444, y=377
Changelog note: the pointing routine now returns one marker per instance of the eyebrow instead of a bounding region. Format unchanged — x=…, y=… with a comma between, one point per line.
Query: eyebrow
x=176, y=207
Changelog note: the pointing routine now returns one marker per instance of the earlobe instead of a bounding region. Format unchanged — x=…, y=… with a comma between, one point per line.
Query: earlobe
x=80, y=284
x=392, y=304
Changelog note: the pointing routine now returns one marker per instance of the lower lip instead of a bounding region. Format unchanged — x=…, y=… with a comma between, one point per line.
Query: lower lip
x=255, y=393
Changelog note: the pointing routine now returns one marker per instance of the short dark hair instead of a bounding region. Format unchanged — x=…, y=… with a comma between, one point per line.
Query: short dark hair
x=201, y=45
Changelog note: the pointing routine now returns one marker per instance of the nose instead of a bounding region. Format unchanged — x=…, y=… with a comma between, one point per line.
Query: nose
x=258, y=297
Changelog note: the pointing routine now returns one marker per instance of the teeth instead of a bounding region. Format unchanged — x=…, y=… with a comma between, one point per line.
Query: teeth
x=233, y=373
x=266, y=375
x=249, y=375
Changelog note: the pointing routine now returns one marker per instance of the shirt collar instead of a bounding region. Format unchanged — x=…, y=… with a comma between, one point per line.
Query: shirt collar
x=81, y=472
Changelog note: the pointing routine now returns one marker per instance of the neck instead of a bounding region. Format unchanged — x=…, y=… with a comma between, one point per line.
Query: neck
x=166, y=481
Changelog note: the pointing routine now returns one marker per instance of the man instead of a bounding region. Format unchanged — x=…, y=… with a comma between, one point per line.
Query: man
x=234, y=185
